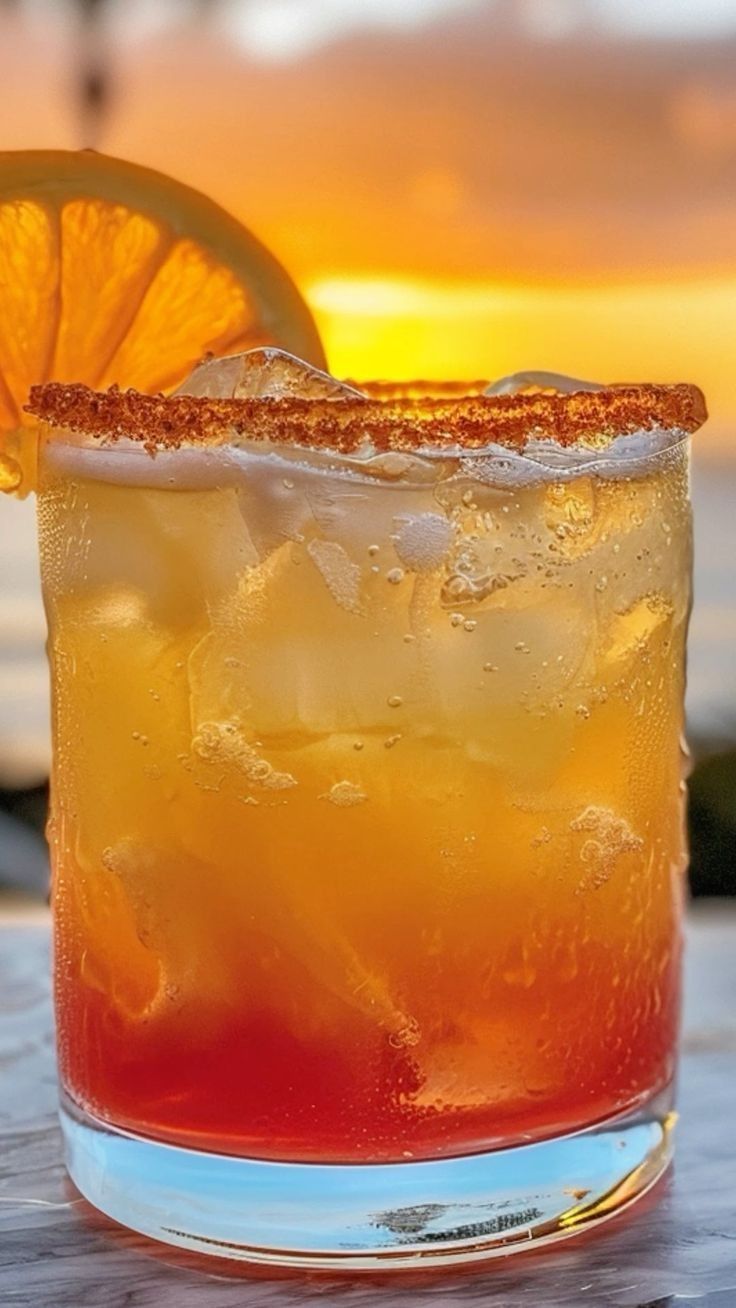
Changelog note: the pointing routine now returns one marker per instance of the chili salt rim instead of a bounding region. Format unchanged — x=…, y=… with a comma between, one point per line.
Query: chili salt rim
x=402, y=422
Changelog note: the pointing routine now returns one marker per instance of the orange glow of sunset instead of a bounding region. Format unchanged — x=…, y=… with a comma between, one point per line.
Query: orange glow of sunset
x=390, y=326
x=432, y=184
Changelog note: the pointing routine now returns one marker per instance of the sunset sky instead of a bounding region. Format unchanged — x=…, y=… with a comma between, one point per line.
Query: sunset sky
x=459, y=186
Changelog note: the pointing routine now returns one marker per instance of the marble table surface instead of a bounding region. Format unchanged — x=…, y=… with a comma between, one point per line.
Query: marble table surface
x=677, y=1248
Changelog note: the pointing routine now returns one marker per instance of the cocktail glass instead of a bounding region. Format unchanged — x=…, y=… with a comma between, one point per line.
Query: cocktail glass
x=367, y=806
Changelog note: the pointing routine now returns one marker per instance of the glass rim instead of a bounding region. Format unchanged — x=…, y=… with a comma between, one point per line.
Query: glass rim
x=452, y=418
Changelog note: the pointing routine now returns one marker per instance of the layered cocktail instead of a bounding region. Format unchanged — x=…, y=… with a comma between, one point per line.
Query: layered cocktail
x=367, y=804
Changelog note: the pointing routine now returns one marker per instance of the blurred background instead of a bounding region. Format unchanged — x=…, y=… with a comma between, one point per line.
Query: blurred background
x=459, y=187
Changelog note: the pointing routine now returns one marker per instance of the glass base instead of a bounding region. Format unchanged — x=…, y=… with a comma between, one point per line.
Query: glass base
x=365, y=1216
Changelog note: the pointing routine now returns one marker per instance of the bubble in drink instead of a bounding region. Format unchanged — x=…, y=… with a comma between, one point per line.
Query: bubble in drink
x=422, y=540
x=608, y=837
x=345, y=794
x=223, y=743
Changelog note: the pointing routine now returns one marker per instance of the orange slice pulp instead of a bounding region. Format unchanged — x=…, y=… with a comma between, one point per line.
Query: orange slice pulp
x=113, y=273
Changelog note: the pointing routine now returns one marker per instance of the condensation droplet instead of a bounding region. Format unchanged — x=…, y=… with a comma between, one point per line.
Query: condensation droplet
x=392, y=740
x=469, y=624
x=394, y=701
x=395, y=576
x=456, y=619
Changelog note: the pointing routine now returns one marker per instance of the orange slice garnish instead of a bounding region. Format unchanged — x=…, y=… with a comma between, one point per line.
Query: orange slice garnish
x=112, y=273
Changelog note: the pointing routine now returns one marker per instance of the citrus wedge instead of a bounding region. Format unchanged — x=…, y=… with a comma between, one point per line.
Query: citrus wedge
x=113, y=273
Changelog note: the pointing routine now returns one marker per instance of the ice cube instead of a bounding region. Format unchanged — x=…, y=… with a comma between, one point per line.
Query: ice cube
x=629, y=632
x=343, y=969
x=263, y=374
x=536, y=381
x=574, y=518
x=475, y=1064
x=215, y=378
x=274, y=510
x=150, y=897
